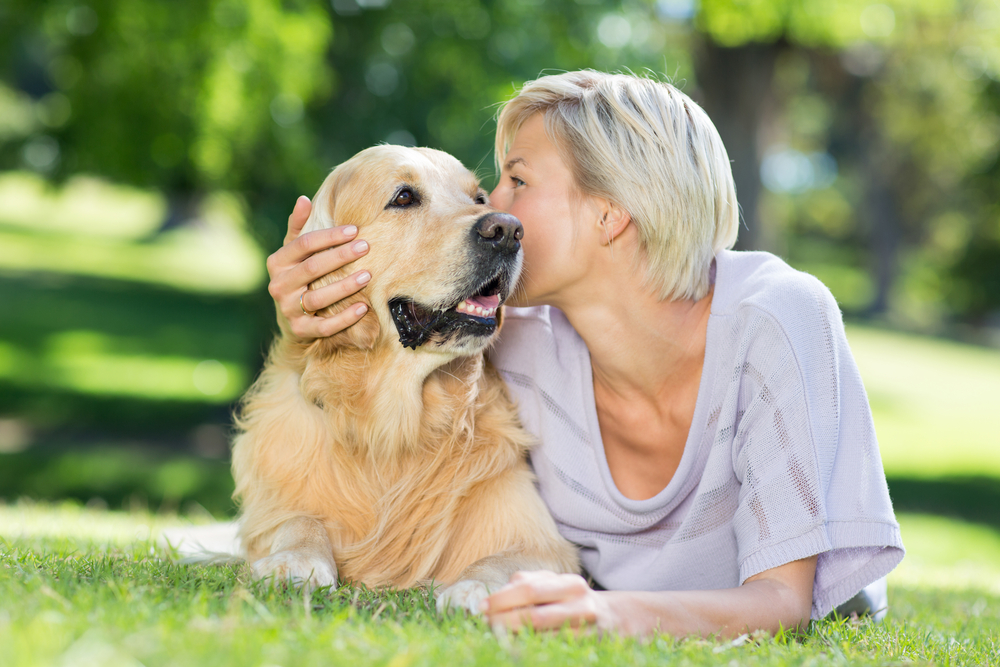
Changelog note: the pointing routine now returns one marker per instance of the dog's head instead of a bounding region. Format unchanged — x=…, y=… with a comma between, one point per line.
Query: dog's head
x=442, y=260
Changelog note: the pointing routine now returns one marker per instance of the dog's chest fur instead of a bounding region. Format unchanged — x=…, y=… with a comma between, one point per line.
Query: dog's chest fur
x=393, y=481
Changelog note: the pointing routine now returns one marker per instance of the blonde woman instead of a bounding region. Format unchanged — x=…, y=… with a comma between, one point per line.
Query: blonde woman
x=705, y=437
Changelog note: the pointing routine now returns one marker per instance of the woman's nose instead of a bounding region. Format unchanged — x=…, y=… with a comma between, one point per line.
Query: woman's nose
x=500, y=199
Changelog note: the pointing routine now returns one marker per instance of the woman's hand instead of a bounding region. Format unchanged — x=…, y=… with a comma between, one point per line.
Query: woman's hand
x=303, y=259
x=548, y=601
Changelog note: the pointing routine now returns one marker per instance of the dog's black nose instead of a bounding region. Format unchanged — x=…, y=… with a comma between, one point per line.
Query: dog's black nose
x=501, y=230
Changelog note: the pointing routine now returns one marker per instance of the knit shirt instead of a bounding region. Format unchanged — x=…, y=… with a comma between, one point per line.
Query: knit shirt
x=780, y=463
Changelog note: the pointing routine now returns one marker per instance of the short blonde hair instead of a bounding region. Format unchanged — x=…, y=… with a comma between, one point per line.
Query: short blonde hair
x=648, y=148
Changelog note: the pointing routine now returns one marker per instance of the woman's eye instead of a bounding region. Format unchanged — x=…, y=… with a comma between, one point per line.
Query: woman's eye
x=404, y=198
x=517, y=181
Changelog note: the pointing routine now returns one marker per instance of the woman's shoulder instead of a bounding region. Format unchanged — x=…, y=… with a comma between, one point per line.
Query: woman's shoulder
x=762, y=282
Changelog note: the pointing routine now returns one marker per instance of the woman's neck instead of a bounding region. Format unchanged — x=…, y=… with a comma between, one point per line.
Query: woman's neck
x=641, y=349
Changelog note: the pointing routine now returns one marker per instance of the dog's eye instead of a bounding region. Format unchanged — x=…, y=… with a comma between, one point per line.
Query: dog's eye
x=405, y=197
x=481, y=199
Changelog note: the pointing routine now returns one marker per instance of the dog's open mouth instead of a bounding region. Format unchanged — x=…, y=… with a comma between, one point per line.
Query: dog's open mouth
x=474, y=315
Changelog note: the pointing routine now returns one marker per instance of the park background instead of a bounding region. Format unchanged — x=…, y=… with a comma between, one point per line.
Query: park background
x=150, y=153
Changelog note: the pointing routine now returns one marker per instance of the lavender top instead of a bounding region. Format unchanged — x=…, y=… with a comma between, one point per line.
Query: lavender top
x=781, y=461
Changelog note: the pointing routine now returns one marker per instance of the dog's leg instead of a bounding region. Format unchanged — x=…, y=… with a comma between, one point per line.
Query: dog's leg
x=300, y=554
x=510, y=514
x=485, y=577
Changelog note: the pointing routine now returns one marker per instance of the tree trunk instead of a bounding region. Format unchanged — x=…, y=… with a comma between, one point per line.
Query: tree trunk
x=882, y=218
x=736, y=93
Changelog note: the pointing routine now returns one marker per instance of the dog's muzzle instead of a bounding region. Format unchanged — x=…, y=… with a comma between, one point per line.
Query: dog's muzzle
x=496, y=262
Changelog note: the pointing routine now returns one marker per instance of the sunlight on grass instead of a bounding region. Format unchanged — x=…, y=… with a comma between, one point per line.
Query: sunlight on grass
x=948, y=554
x=94, y=363
x=94, y=229
x=941, y=553
x=932, y=401
x=80, y=586
x=69, y=520
x=83, y=207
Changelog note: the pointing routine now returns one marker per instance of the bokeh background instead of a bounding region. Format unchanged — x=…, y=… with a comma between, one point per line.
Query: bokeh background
x=150, y=153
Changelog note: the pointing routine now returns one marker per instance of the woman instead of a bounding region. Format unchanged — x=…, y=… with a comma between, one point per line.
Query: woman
x=704, y=434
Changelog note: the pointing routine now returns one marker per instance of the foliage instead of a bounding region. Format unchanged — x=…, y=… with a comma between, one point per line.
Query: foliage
x=901, y=96
x=263, y=97
x=178, y=95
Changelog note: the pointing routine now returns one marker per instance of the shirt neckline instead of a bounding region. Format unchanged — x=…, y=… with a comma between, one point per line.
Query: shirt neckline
x=699, y=422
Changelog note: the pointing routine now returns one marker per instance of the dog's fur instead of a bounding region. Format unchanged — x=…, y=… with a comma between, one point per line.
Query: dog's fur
x=387, y=465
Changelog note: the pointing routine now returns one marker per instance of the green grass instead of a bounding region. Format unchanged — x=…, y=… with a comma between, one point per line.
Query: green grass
x=121, y=477
x=94, y=228
x=112, y=310
x=934, y=403
x=86, y=587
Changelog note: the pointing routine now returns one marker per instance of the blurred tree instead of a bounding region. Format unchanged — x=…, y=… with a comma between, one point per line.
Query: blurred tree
x=973, y=272
x=897, y=91
x=263, y=96
x=185, y=96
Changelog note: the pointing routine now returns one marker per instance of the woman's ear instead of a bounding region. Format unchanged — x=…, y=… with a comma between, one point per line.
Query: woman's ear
x=614, y=220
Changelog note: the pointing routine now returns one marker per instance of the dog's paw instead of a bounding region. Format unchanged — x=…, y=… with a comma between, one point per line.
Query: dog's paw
x=297, y=568
x=465, y=594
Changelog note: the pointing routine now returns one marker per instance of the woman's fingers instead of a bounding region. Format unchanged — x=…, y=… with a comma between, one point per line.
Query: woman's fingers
x=314, y=300
x=290, y=276
x=310, y=326
x=574, y=613
x=298, y=218
x=324, y=262
x=321, y=240
x=303, y=259
x=542, y=600
x=299, y=308
x=535, y=588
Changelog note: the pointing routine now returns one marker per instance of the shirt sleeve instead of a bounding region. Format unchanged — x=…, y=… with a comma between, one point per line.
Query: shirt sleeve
x=805, y=452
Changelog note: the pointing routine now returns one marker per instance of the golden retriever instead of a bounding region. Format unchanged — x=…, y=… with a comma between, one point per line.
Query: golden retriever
x=390, y=454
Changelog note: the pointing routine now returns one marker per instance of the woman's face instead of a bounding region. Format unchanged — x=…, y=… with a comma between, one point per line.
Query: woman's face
x=536, y=186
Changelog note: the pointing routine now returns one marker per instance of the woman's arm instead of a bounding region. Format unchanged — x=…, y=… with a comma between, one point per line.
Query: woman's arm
x=303, y=259
x=777, y=598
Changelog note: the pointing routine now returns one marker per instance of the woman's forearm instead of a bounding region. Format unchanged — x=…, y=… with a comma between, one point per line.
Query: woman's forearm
x=776, y=599
x=728, y=612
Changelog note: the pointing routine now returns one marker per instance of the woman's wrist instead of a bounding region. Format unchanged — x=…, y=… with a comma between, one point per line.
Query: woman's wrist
x=628, y=613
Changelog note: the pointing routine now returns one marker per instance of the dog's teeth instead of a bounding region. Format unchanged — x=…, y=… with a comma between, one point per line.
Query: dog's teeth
x=479, y=310
x=461, y=307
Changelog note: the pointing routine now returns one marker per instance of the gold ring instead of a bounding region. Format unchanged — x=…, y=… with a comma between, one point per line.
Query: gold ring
x=302, y=306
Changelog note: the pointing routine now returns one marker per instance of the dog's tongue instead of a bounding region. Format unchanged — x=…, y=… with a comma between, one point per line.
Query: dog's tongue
x=485, y=302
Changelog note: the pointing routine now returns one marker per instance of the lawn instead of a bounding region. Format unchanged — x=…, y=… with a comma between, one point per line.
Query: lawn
x=90, y=587
x=934, y=402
